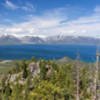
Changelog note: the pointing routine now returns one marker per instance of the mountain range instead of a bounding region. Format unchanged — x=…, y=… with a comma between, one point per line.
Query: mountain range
x=58, y=39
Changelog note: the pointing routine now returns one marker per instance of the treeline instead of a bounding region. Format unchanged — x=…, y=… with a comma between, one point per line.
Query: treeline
x=48, y=80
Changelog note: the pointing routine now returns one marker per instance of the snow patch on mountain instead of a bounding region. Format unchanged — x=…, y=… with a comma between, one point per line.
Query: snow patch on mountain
x=40, y=39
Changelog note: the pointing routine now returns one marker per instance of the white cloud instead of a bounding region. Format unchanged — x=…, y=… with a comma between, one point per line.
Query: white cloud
x=10, y=5
x=97, y=9
x=50, y=23
x=26, y=7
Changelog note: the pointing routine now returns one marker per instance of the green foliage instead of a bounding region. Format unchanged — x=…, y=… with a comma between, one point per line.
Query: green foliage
x=46, y=91
x=54, y=82
x=33, y=59
x=8, y=92
x=84, y=84
x=17, y=92
x=43, y=70
x=24, y=68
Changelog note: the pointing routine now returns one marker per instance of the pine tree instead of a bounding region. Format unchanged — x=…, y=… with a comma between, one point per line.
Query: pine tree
x=24, y=68
x=8, y=91
x=33, y=59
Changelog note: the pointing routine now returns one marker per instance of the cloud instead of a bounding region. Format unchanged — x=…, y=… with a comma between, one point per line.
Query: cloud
x=26, y=7
x=29, y=7
x=97, y=9
x=56, y=22
x=10, y=5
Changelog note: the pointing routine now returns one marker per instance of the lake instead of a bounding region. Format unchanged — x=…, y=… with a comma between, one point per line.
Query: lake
x=12, y=52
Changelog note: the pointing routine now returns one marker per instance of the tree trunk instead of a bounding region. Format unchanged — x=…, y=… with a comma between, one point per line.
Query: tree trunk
x=96, y=77
x=77, y=78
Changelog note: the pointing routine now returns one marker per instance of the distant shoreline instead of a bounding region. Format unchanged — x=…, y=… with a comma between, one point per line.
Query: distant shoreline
x=5, y=61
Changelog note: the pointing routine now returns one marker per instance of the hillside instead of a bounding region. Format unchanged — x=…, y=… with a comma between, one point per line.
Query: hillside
x=5, y=66
x=47, y=80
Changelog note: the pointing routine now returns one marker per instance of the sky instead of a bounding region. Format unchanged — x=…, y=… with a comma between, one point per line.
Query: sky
x=50, y=17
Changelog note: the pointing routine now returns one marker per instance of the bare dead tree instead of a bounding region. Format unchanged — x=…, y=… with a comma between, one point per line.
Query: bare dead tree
x=77, y=78
x=96, y=75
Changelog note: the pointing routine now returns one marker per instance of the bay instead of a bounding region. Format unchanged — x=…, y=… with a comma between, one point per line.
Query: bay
x=17, y=52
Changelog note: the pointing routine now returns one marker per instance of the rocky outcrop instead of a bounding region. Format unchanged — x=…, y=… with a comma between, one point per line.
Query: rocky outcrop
x=34, y=69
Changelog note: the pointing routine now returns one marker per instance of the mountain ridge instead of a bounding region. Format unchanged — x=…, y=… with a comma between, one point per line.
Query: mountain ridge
x=58, y=39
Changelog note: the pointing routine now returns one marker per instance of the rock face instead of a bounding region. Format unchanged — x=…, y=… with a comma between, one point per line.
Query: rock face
x=34, y=69
x=14, y=76
x=49, y=68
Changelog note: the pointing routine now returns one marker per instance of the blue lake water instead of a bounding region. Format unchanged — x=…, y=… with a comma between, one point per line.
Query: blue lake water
x=12, y=52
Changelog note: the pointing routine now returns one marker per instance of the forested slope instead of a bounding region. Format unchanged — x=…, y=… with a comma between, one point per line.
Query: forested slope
x=47, y=80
